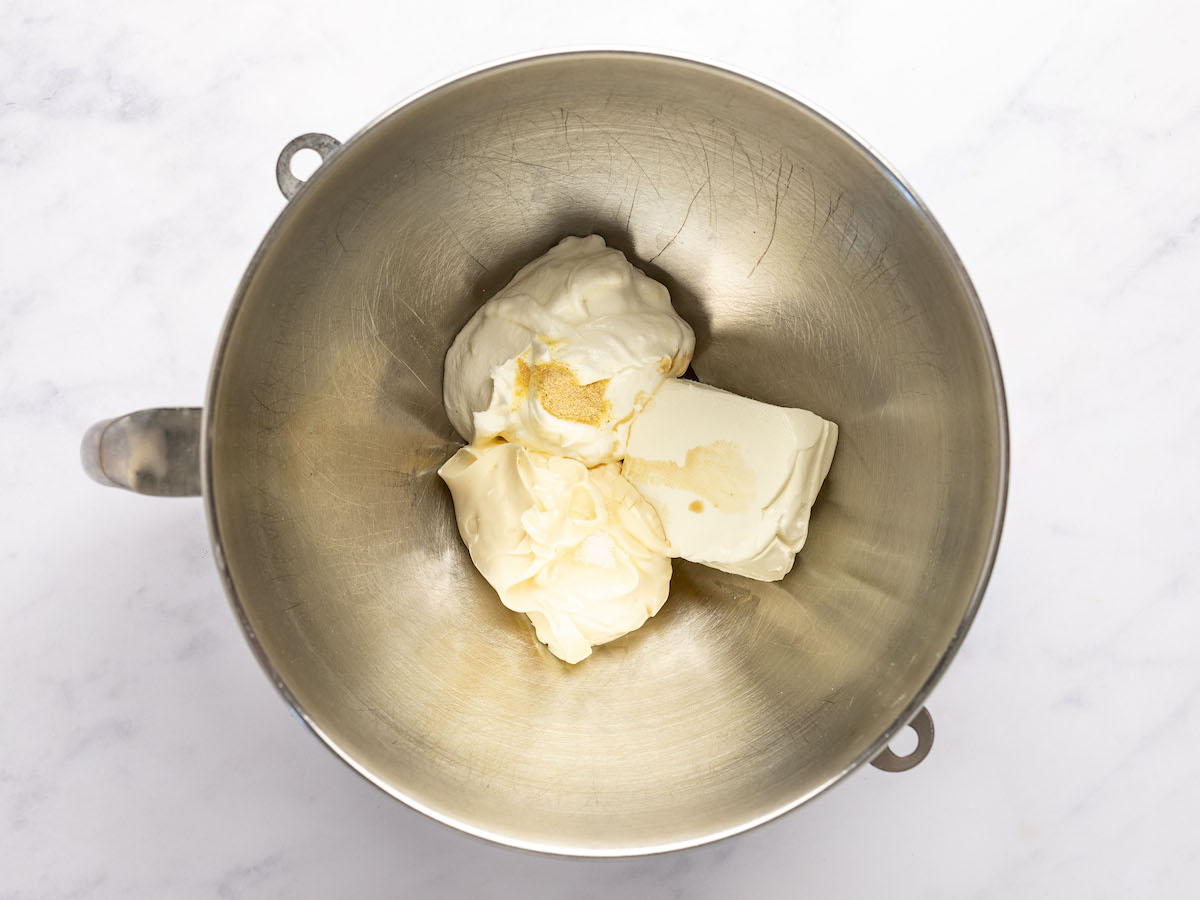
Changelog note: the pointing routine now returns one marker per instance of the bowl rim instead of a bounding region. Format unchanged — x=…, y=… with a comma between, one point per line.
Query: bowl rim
x=997, y=525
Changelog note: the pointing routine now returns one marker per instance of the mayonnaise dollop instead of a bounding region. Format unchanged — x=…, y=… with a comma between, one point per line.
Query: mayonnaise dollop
x=576, y=549
x=564, y=357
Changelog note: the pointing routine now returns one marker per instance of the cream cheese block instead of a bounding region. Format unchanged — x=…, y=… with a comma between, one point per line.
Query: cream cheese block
x=733, y=480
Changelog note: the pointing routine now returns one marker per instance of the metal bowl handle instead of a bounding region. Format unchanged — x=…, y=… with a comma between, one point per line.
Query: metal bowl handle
x=922, y=724
x=288, y=183
x=152, y=451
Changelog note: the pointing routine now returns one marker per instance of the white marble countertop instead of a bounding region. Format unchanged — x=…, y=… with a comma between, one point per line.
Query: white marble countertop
x=143, y=753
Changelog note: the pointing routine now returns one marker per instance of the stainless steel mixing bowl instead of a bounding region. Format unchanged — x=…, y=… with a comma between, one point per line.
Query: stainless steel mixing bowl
x=812, y=276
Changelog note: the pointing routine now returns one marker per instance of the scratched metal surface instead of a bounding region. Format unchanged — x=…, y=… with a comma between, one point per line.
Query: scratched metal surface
x=812, y=279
